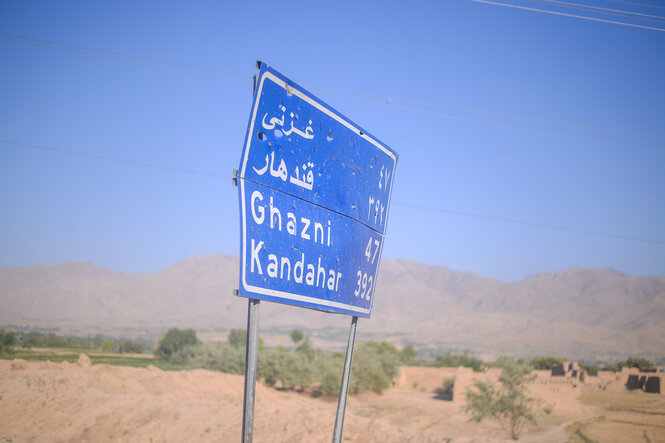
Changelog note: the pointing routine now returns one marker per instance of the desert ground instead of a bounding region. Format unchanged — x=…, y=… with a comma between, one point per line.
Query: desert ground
x=49, y=402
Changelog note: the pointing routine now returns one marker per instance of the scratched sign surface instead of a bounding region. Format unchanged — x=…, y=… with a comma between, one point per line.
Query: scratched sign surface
x=314, y=195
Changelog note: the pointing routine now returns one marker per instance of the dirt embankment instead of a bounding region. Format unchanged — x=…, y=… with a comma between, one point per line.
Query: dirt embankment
x=43, y=401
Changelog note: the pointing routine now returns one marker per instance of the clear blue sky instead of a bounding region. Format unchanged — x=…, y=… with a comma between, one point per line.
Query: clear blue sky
x=437, y=81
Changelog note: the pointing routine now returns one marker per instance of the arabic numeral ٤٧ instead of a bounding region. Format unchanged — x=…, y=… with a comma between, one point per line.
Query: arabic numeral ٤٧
x=384, y=178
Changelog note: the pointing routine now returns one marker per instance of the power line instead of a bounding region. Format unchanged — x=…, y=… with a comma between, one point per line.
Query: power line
x=529, y=223
x=531, y=119
x=114, y=159
x=131, y=59
x=645, y=5
x=584, y=8
x=530, y=131
x=391, y=103
x=174, y=66
x=138, y=57
x=406, y=205
x=568, y=15
x=598, y=8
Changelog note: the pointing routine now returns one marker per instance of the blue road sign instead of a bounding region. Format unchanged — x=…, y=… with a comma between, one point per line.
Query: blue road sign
x=314, y=192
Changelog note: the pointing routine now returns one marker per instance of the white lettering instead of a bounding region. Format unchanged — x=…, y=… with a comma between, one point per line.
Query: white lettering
x=320, y=272
x=272, y=266
x=304, y=233
x=287, y=262
x=255, y=257
x=299, y=265
x=291, y=224
x=331, y=280
x=317, y=227
x=274, y=212
x=309, y=278
x=256, y=195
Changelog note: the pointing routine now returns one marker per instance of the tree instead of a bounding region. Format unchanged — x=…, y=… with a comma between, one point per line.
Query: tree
x=305, y=348
x=546, y=362
x=408, y=354
x=453, y=361
x=7, y=341
x=590, y=369
x=130, y=347
x=175, y=340
x=109, y=345
x=238, y=338
x=636, y=362
x=296, y=336
x=509, y=403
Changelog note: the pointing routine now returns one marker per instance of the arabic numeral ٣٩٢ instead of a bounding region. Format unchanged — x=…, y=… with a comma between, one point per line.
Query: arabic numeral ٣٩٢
x=376, y=210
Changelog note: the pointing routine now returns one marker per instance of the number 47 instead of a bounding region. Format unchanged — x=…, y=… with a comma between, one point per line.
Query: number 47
x=368, y=250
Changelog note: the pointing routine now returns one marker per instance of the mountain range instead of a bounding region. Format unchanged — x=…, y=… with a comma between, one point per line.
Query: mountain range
x=581, y=313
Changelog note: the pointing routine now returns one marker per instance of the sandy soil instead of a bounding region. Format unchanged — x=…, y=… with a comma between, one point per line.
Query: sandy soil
x=47, y=402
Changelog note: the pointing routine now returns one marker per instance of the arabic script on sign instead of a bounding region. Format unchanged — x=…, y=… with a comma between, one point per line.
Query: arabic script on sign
x=308, y=133
x=304, y=179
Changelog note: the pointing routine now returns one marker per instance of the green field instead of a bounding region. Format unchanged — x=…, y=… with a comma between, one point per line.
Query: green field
x=71, y=355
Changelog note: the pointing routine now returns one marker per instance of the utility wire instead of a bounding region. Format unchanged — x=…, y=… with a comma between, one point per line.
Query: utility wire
x=618, y=11
x=529, y=131
x=645, y=5
x=401, y=204
x=393, y=102
x=569, y=15
x=113, y=159
x=530, y=119
x=117, y=56
x=502, y=126
x=529, y=223
x=137, y=57
x=385, y=100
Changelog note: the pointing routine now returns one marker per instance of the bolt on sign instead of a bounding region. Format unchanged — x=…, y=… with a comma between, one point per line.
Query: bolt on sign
x=315, y=193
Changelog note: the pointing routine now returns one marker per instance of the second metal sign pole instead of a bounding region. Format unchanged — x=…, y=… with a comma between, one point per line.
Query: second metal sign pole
x=251, y=352
x=344, y=388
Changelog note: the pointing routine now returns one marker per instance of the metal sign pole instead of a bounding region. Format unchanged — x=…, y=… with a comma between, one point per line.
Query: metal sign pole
x=251, y=348
x=344, y=388
x=251, y=351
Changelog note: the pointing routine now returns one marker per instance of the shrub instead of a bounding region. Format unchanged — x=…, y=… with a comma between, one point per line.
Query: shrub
x=445, y=391
x=453, y=361
x=589, y=369
x=214, y=356
x=408, y=354
x=289, y=368
x=374, y=366
x=509, y=404
x=546, y=362
x=238, y=338
x=174, y=341
x=329, y=366
x=131, y=347
x=636, y=362
x=7, y=341
x=296, y=336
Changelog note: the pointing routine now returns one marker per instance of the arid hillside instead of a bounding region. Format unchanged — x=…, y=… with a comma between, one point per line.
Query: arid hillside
x=578, y=313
